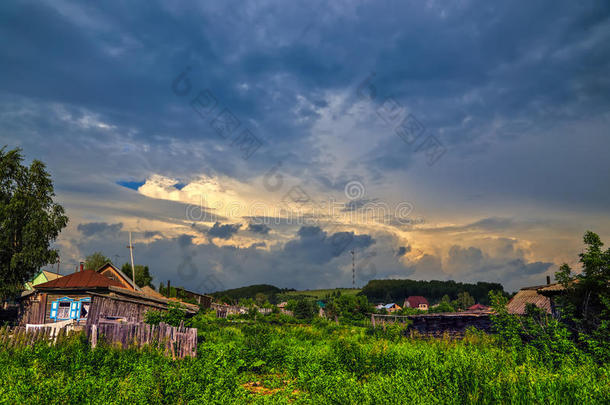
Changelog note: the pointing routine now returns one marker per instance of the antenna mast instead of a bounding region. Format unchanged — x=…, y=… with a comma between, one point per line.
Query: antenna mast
x=133, y=268
x=353, y=252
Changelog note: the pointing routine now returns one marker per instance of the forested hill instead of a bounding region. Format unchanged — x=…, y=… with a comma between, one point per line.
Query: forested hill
x=398, y=290
x=250, y=292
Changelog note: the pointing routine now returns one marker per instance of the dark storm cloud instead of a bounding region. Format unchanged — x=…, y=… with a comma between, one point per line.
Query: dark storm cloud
x=120, y=63
x=223, y=231
x=314, y=245
x=95, y=228
x=403, y=250
x=263, y=229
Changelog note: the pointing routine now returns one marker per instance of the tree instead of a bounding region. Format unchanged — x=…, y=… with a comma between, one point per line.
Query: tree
x=260, y=299
x=95, y=260
x=143, y=277
x=464, y=300
x=29, y=220
x=305, y=309
x=585, y=306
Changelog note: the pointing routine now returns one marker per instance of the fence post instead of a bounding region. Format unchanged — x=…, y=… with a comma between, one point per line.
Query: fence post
x=93, y=336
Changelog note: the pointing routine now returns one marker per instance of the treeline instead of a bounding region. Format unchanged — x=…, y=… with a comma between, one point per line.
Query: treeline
x=397, y=290
x=235, y=294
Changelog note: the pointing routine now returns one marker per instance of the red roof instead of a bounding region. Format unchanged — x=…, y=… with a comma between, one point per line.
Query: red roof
x=478, y=307
x=80, y=279
x=415, y=300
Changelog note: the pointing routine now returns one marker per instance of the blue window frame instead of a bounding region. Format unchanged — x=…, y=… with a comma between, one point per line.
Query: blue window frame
x=83, y=308
x=61, y=309
x=66, y=308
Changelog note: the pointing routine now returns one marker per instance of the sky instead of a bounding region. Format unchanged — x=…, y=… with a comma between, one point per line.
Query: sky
x=264, y=141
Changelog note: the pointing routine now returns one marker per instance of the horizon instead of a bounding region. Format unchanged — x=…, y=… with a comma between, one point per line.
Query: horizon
x=262, y=143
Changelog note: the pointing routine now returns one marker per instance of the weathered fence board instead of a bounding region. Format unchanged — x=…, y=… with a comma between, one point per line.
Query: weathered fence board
x=178, y=341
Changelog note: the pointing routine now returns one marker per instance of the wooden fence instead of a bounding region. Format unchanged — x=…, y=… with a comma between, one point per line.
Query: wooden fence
x=178, y=341
x=454, y=323
x=19, y=336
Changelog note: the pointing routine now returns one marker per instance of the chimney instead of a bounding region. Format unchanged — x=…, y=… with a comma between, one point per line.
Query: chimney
x=82, y=266
x=548, y=280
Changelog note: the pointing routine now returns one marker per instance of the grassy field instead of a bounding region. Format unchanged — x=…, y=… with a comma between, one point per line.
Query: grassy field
x=319, y=363
x=319, y=294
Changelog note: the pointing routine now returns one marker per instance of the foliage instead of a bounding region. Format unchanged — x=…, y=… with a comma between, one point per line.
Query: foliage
x=463, y=301
x=585, y=307
x=29, y=220
x=319, y=363
x=444, y=306
x=95, y=260
x=303, y=309
x=173, y=316
x=398, y=290
x=143, y=277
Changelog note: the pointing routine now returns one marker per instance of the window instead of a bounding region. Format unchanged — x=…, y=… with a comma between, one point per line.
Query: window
x=67, y=308
x=85, y=304
x=64, y=310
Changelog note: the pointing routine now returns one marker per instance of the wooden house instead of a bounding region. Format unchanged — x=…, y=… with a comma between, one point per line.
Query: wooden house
x=392, y=307
x=87, y=297
x=417, y=302
x=542, y=296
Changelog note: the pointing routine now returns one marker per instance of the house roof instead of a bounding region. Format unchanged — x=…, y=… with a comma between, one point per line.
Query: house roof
x=80, y=279
x=149, y=291
x=415, y=300
x=478, y=307
x=528, y=295
x=552, y=289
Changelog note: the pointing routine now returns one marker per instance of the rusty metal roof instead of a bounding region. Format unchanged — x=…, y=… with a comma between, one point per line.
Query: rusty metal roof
x=80, y=279
x=528, y=295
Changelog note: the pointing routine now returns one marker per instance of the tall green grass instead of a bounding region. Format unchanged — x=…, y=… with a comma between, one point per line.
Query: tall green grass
x=321, y=363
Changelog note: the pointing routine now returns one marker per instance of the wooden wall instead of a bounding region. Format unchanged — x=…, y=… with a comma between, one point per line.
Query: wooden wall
x=104, y=307
x=32, y=309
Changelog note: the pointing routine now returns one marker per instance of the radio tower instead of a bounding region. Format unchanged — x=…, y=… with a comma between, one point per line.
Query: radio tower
x=353, y=252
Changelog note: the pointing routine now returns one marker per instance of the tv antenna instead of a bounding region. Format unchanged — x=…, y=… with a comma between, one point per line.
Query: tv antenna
x=353, y=252
x=133, y=268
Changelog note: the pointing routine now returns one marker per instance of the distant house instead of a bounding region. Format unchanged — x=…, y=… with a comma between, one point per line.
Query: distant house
x=201, y=299
x=41, y=277
x=391, y=307
x=417, y=302
x=478, y=307
x=542, y=296
x=88, y=296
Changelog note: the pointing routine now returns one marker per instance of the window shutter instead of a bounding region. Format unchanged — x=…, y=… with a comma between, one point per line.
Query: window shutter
x=74, y=310
x=54, y=305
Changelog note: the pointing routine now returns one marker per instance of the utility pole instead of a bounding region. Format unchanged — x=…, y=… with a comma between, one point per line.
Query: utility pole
x=353, y=252
x=133, y=268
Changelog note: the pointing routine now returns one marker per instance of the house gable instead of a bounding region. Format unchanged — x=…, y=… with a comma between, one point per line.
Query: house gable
x=114, y=273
